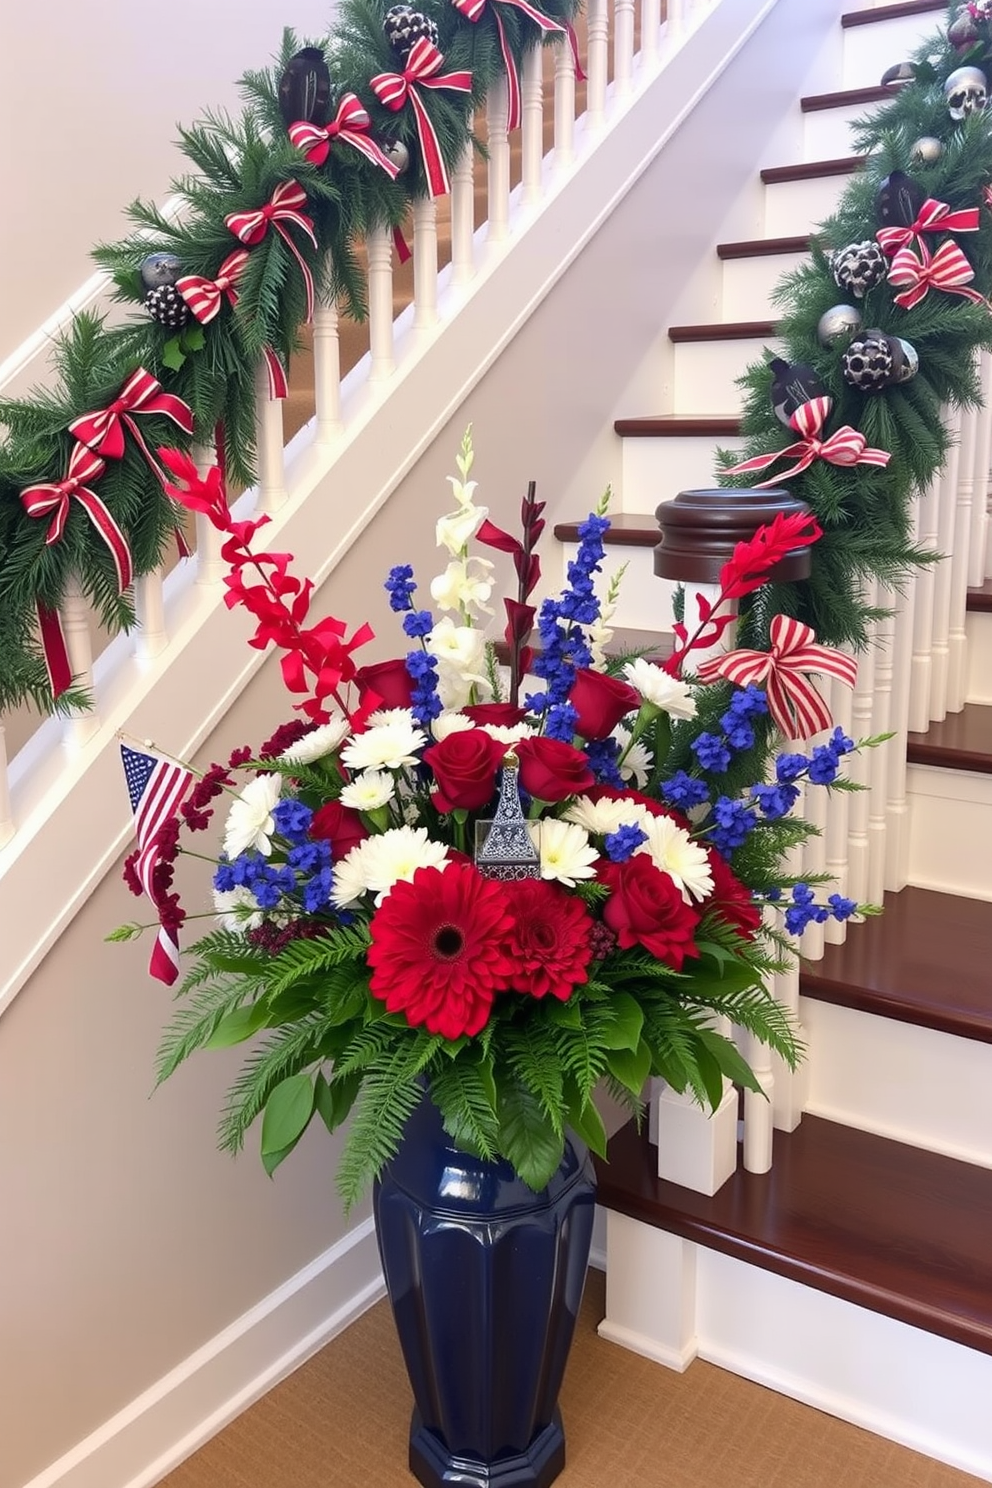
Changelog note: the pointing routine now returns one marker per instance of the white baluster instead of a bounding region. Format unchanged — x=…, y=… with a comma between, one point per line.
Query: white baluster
x=463, y=217
x=860, y=770
x=270, y=444
x=789, y=1092
x=424, y=263
x=983, y=450
x=80, y=725
x=6, y=817
x=957, y=640
x=380, y=252
x=759, y=1108
x=883, y=643
x=623, y=46
x=327, y=371
x=564, y=105
x=532, y=123
x=897, y=806
x=210, y=567
x=650, y=30
x=675, y=19
x=598, y=32
x=942, y=575
x=841, y=702
x=152, y=636
x=498, y=167
x=815, y=806
x=921, y=666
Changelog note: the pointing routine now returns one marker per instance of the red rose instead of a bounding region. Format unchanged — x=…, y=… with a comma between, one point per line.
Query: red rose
x=551, y=770
x=731, y=900
x=601, y=702
x=551, y=939
x=390, y=680
x=645, y=908
x=500, y=715
x=465, y=767
x=338, y=825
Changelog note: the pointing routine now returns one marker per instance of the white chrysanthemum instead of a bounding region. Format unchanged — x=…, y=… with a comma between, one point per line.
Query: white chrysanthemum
x=606, y=815
x=450, y=723
x=397, y=855
x=674, y=852
x=566, y=852
x=351, y=876
x=369, y=791
x=655, y=686
x=509, y=733
x=636, y=763
x=466, y=583
x=237, y=909
x=249, y=821
x=389, y=746
x=389, y=716
x=317, y=743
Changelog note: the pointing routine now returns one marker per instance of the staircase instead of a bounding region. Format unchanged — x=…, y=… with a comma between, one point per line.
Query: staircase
x=856, y=1274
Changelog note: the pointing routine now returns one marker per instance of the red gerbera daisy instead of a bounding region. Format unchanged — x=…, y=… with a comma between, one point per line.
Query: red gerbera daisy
x=551, y=939
x=441, y=949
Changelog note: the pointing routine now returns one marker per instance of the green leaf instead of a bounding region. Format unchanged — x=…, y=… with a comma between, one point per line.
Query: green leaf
x=193, y=338
x=125, y=932
x=172, y=354
x=710, y=1074
x=526, y=1137
x=625, y=1031
x=729, y=1058
x=287, y=1114
x=238, y=1025
x=271, y=1160
x=587, y=1123
x=334, y=1099
x=565, y=1014
x=630, y=1066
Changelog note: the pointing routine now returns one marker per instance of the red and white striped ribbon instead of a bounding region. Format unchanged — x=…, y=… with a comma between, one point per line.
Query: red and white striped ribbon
x=351, y=125
x=474, y=10
x=845, y=447
x=947, y=269
x=934, y=216
x=282, y=211
x=103, y=430
x=395, y=89
x=54, y=499
x=205, y=296
x=796, y=707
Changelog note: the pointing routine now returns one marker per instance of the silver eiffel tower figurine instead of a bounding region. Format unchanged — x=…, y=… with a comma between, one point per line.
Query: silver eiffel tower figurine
x=505, y=850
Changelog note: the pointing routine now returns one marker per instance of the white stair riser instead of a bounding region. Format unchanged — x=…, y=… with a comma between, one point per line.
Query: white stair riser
x=869, y=50
x=950, y=830
x=979, y=676
x=912, y=1084
x=793, y=207
x=645, y=600
x=827, y=132
x=673, y=1301
x=706, y=374
x=748, y=284
x=655, y=470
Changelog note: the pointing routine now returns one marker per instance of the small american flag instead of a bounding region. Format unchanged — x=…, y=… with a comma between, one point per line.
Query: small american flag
x=156, y=787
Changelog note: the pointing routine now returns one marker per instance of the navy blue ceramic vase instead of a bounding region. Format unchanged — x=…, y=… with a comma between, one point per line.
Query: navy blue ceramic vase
x=485, y=1279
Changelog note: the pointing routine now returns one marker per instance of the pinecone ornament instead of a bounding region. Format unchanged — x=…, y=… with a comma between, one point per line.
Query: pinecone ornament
x=403, y=26
x=166, y=306
x=859, y=267
x=869, y=363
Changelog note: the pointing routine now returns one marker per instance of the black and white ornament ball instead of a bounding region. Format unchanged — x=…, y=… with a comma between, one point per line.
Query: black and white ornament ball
x=403, y=26
x=871, y=361
x=166, y=306
x=927, y=150
x=859, y=267
x=159, y=268
x=838, y=326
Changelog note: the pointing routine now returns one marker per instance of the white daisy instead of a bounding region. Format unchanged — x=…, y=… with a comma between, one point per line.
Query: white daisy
x=317, y=743
x=566, y=852
x=450, y=723
x=669, y=694
x=606, y=815
x=388, y=746
x=369, y=791
x=237, y=909
x=249, y=821
x=636, y=763
x=398, y=854
x=389, y=716
x=674, y=852
x=507, y=733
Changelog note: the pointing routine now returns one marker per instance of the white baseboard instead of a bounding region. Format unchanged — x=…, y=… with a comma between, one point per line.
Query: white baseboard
x=165, y=1424
x=648, y=1348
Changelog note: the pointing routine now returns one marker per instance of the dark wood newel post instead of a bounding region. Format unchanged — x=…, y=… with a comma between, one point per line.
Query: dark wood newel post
x=700, y=529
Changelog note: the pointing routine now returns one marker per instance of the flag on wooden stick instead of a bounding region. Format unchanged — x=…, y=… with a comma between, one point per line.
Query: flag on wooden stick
x=156, y=787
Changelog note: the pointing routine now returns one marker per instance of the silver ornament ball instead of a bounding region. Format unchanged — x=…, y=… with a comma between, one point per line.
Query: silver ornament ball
x=838, y=326
x=910, y=361
x=397, y=152
x=927, y=150
x=158, y=269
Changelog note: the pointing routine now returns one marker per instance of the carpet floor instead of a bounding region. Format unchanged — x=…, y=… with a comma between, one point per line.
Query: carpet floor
x=341, y=1421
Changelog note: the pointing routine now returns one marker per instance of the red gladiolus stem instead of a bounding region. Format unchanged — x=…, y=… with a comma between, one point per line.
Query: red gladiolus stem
x=518, y=641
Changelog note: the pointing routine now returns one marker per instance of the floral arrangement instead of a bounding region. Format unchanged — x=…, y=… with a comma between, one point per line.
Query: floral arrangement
x=507, y=871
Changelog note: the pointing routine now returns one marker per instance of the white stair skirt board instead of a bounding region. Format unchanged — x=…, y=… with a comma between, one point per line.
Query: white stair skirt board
x=706, y=374
x=655, y=470
x=869, y=50
x=645, y=601
x=748, y=284
x=912, y=1084
x=978, y=684
x=673, y=1300
x=168, y=1422
x=950, y=830
x=794, y=207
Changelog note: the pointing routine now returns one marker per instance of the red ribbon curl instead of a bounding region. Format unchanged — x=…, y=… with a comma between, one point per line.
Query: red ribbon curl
x=845, y=447
x=351, y=125
x=282, y=211
x=395, y=89
x=934, y=216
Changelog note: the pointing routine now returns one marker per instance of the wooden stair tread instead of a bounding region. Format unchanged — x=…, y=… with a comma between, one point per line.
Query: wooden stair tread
x=627, y=529
x=887, y=12
x=668, y=426
x=845, y=98
x=903, y=1232
x=811, y=170
x=924, y=961
x=728, y=330
x=978, y=599
x=763, y=247
x=961, y=741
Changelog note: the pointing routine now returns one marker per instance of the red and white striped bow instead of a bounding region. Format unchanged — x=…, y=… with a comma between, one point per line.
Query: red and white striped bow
x=282, y=211
x=205, y=296
x=394, y=89
x=351, y=125
x=934, y=216
x=796, y=707
x=844, y=447
x=474, y=10
x=103, y=430
x=947, y=269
